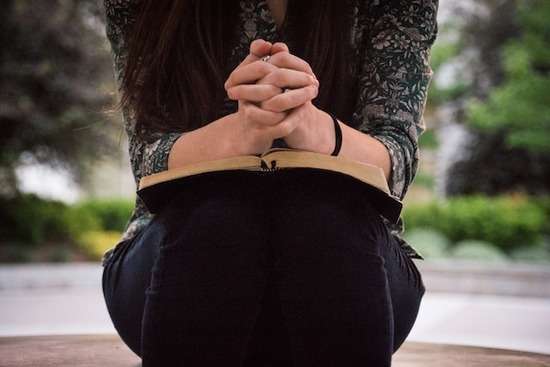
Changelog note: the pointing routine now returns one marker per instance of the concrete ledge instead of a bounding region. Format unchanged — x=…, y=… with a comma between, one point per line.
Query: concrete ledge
x=448, y=276
x=109, y=350
x=503, y=279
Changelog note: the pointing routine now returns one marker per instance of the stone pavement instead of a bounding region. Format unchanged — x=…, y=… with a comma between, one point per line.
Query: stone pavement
x=67, y=299
x=108, y=350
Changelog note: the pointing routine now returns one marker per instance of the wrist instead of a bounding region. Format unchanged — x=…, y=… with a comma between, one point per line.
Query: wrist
x=230, y=135
x=326, y=135
x=315, y=133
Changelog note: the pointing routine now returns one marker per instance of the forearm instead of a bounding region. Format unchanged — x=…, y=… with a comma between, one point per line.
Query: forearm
x=362, y=147
x=209, y=142
x=356, y=145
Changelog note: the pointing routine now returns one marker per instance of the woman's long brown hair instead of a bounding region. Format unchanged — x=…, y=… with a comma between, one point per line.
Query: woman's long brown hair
x=178, y=52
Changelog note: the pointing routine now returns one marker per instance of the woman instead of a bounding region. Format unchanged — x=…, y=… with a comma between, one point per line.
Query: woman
x=293, y=268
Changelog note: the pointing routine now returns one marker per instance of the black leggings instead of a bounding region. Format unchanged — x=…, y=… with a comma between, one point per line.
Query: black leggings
x=293, y=268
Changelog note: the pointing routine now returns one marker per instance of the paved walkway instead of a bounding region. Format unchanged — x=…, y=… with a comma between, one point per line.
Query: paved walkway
x=67, y=299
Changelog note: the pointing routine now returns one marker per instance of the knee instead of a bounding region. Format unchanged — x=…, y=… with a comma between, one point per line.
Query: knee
x=323, y=213
x=218, y=219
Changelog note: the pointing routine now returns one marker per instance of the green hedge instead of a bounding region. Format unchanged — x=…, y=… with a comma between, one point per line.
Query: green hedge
x=28, y=219
x=512, y=223
x=507, y=222
x=430, y=243
x=112, y=214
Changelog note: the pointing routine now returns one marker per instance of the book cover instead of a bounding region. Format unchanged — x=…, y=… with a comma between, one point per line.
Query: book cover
x=157, y=189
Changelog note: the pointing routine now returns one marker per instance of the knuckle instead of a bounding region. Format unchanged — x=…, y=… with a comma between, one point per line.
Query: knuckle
x=264, y=67
x=263, y=93
x=281, y=77
x=268, y=105
x=272, y=118
x=227, y=83
x=313, y=90
x=277, y=74
x=231, y=91
x=307, y=67
x=280, y=58
x=276, y=105
x=275, y=59
x=274, y=90
x=286, y=57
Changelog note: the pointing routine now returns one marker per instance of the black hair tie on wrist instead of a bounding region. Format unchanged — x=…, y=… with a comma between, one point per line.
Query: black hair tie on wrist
x=338, y=134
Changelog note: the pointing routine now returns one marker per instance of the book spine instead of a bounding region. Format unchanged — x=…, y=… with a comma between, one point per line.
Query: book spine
x=271, y=167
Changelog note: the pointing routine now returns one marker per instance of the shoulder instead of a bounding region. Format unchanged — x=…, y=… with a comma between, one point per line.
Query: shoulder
x=410, y=13
x=403, y=24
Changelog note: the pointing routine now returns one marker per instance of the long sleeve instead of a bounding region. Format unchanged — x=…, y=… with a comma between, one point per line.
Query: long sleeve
x=394, y=74
x=150, y=155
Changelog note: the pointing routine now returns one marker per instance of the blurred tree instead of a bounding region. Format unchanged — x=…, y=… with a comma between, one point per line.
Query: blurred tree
x=520, y=106
x=506, y=105
x=55, y=83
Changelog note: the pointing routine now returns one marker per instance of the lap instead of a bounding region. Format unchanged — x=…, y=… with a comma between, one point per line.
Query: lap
x=333, y=222
x=217, y=215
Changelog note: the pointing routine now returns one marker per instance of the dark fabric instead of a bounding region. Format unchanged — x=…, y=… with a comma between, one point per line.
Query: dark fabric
x=291, y=268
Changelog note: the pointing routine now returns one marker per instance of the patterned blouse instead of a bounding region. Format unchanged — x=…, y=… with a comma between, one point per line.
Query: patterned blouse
x=394, y=75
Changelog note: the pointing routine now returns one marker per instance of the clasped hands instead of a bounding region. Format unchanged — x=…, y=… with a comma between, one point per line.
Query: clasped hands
x=266, y=111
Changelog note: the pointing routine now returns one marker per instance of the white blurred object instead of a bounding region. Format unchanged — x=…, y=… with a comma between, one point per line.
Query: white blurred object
x=47, y=182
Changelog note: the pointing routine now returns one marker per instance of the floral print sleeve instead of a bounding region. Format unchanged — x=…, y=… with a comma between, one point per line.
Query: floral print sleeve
x=395, y=37
x=149, y=155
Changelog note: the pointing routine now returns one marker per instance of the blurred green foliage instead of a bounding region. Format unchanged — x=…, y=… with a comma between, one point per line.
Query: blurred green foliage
x=430, y=243
x=516, y=226
x=28, y=220
x=423, y=179
x=507, y=222
x=491, y=73
x=520, y=106
x=95, y=243
x=428, y=140
x=444, y=51
x=112, y=214
x=477, y=250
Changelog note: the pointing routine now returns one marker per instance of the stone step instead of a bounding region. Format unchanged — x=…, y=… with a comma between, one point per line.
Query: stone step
x=109, y=350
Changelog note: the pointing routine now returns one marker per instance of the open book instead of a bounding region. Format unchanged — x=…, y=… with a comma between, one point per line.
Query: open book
x=156, y=190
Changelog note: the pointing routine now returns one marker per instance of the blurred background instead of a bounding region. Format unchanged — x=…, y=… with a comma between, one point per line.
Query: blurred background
x=478, y=210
